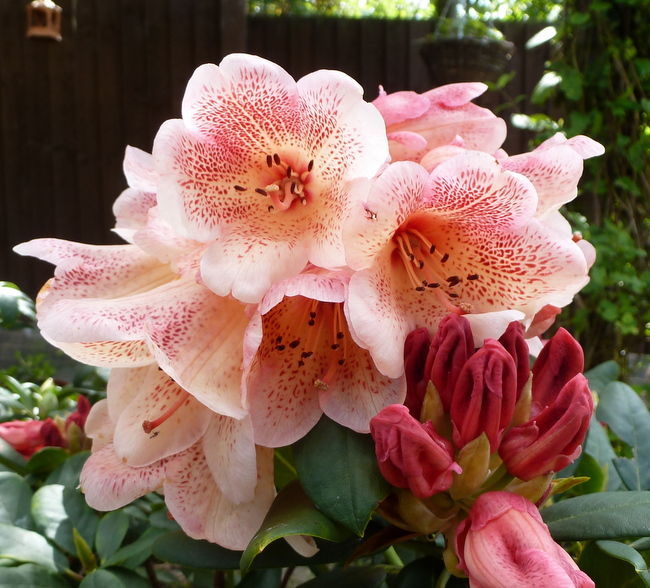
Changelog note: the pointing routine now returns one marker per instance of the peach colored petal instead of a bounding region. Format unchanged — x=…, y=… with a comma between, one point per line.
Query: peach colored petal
x=139, y=170
x=131, y=210
x=99, y=426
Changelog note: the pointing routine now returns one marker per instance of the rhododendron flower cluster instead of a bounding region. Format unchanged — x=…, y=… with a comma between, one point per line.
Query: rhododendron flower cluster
x=283, y=238
x=476, y=420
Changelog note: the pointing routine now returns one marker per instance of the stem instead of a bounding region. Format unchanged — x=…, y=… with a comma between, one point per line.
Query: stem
x=392, y=558
x=287, y=575
x=151, y=574
x=443, y=578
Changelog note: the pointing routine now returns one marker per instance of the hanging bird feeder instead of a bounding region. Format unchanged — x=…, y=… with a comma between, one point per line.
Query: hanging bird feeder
x=44, y=20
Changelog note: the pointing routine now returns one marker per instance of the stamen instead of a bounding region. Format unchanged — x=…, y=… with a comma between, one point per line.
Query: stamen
x=445, y=257
x=240, y=188
x=261, y=191
x=149, y=426
x=310, y=165
x=288, y=171
x=269, y=161
x=294, y=344
x=280, y=347
x=277, y=159
x=473, y=277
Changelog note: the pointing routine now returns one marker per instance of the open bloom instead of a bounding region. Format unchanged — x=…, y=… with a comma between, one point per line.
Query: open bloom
x=219, y=487
x=442, y=117
x=263, y=164
x=301, y=361
x=411, y=454
x=504, y=543
x=464, y=240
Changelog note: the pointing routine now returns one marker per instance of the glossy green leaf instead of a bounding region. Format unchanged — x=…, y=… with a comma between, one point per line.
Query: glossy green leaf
x=67, y=474
x=628, y=417
x=15, y=500
x=628, y=470
x=11, y=459
x=418, y=573
x=46, y=460
x=610, y=563
x=132, y=555
x=25, y=546
x=353, y=577
x=270, y=578
x=601, y=375
x=338, y=470
x=30, y=576
x=292, y=513
x=599, y=447
x=111, y=531
x=129, y=578
x=591, y=469
x=642, y=544
x=604, y=515
x=57, y=509
x=102, y=579
x=84, y=552
x=284, y=470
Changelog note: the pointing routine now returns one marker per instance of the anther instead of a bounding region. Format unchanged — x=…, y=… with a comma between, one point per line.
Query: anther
x=432, y=249
x=280, y=347
x=312, y=314
x=452, y=279
x=420, y=288
x=294, y=344
x=301, y=363
x=473, y=277
x=445, y=257
x=276, y=158
x=293, y=187
x=433, y=285
x=420, y=263
x=306, y=354
x=339, y=335
x=310, y=165
x=341, y=361
x=288, y=171
x=240, y=188
x=278, y=339
x=453, y=295
x=261, y=191
x=269, y=161
x=335, y=346
x=311, y=322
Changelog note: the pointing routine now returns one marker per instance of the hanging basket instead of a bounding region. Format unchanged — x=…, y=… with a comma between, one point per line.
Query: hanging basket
x=467, y=59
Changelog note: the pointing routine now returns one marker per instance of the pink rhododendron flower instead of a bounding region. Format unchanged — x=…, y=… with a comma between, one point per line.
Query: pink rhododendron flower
x=219, y=488
x=263, y=164
x=463, y=239
x=504, y=543
x=411, y=454
x=418, y=123
x=301, y=362
x=24, y=436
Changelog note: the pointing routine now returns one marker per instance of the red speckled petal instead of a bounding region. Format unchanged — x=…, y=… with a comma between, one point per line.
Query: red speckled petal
x=195, y=501
x=230, y=452
x=131, y=210
x=471, y=188
x=153, y=393
x=394, y=196
x=197, y=339
x=400, y=106
x=109, y=483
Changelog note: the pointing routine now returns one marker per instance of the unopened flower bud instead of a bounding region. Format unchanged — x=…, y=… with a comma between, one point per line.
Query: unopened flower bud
x=411, y=454
x=416, y=349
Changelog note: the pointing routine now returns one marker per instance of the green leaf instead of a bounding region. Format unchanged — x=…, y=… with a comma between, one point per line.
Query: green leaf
x=102, y=579
x=599, y=447
x=270, y=578
x=610, y=563
x=29, y=547
x=129, y=578
x=353, y=577
x=604, y=515
x=15, y=500
x=57, y=509
x=30, y=576
x=338, y=470
x=67, y=474
x=110, y=533
x=10, y=458
x=292, y=513
x=420, y=572
x=84, y=552
x=627, y=416
x=601, y=375
x=47, y=460
x=284, y=470
x=591, y=469
x=132, y=555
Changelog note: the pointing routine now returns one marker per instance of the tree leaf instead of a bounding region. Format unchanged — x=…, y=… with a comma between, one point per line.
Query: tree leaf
x=590, y=468
x=601, y=375
x=46, y=460
x=604, y=515
x=11, y=459
x=292, y=513
x=353, y=577
x=57, y=509
x=599, y=447
x=29, y=547
x=111, y=531
x=15, y=500
x=32, y=576
x=628, y=417
x=338, y=470
x=270, y=578
x=610, y=563
x=132, y=555
x=102, y=579
x=67, y=474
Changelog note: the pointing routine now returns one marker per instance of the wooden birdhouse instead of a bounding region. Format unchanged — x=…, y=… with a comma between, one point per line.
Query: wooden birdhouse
x=44, y=20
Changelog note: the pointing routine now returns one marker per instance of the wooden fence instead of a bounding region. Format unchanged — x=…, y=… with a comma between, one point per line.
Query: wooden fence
x=68, y=109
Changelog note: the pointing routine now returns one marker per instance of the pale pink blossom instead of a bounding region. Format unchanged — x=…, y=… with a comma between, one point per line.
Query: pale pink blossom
x=301, y=362
x=219, y=487
x=504, y=543
x=443, y=117
x=463, y=239
x=259, y=168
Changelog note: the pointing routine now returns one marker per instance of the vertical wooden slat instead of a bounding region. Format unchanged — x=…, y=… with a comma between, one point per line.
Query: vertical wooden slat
x=372, y=51
x=348, y=57
x=301, y=42
x=396, y=63
x=181, y=62
x=207, y=33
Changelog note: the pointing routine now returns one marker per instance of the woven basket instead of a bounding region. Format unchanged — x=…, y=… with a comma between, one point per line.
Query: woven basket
x=467, y=59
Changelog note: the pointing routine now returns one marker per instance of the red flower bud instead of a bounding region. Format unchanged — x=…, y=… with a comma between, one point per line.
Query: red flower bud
x=485, y=395
x=558, y=362
x=24, y=436
x=416, y=349
x=411, y=454
x=504, y=543
x=553, y=438
x=80, y=415
x=451, y=347
x=514, y=343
